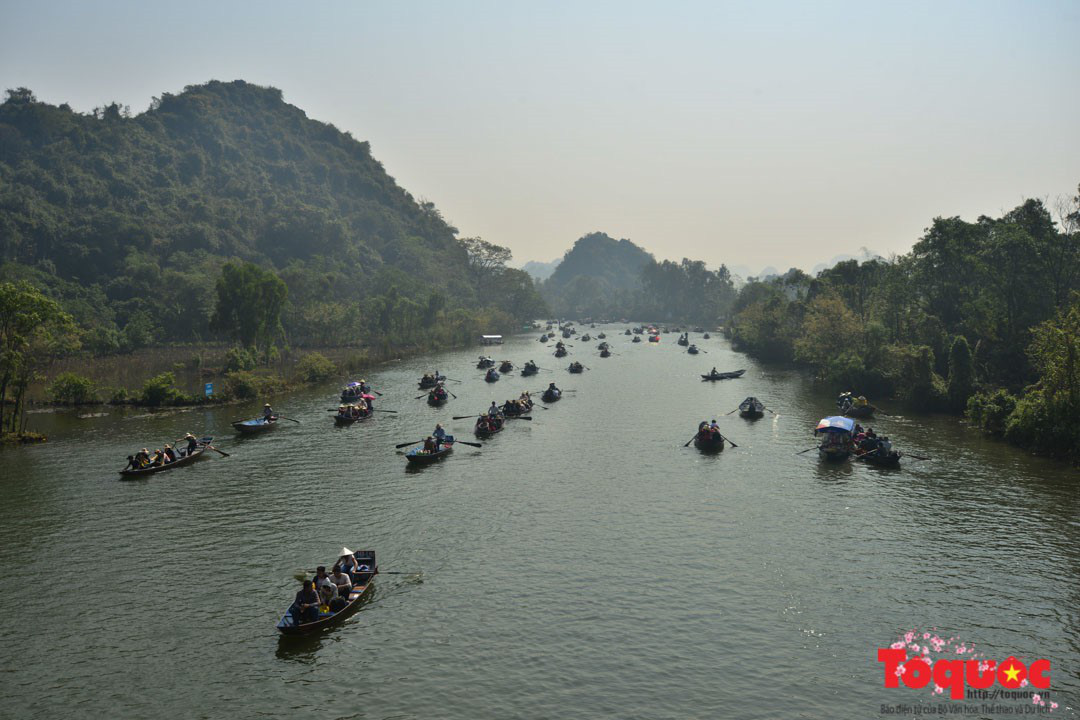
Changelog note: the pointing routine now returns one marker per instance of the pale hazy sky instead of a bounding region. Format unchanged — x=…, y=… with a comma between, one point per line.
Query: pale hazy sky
x=773, y=133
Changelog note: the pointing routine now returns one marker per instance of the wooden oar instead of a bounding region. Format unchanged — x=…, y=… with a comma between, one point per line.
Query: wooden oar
x=415, y=442
x=690, y=440
x=465, y=442
x=735, y=410
x=219, y=452
x=518, y=417
x=918, y=457
x=381, y=410
x=377, y=393
x=420, y=396
x=465, y=417
x=453, y=380
x=729, y=440
x=282, y=417
x=807, y=450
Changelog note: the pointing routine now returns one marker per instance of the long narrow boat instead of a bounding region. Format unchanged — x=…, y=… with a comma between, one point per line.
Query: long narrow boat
x=486, y=427
x=289, y=625
x=751, y=408
x=203, y=446
x=576, y=367
x=513, y=411
x=348, y=418
x=255, y=425
x=437, y=396
x=860, y=411
x=431, y=380
x=836, y=432
x=420, y=456
x=724, y=375
x=874, y=457
x=708, y=441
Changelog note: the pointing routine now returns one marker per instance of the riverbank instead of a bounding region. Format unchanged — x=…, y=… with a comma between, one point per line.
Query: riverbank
x=209, y=374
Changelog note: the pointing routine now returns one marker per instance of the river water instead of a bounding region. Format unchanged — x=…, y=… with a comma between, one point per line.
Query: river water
x=583, y=564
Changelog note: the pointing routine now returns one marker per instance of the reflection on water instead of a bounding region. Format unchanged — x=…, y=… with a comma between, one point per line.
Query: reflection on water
x=583, y=564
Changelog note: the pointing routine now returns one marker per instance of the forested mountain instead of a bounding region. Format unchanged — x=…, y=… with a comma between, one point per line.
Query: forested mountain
x=127, y=220
x=540, y=271
x=600, y=276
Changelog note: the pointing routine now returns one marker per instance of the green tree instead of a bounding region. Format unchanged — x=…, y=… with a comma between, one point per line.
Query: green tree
x=961, y=373
x=249, y=304
x=33, y=329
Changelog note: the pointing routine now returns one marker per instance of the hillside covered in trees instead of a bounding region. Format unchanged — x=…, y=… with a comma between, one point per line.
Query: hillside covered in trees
x=980, y=317
x=127, y=221
x=603, y=277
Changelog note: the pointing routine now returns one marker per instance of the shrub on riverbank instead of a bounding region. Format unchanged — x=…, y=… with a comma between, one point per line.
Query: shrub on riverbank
x=162, y=390
x=315, y=367
x=247, y=385
x=71, y=388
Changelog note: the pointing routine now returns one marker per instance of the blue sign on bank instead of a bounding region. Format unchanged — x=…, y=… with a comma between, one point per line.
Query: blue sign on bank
x=209, y=389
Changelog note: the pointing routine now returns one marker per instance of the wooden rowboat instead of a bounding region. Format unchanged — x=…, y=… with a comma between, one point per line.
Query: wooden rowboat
x=751, y=408
x=289, y=623
x=203, y=446
x=485, y=429
x=724, y=375
x=435, y=399
x=255, y=425
x=709, y=442
x=551, y=396
x=419, y=456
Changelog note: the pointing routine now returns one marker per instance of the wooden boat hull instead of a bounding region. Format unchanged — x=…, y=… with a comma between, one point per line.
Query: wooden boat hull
x=254, y=426
x=605, y=353
x=876, y=458
x=863, y=411
x=550, y=397
x=751, y=414
x=833, y=455
x=436, y=400
x=347, y=420
x=527, y=371
x=576, y=369
x=204, y=443
x=426, y=383
x=560, y=353
x=692, y=351
x=491, y=377
x=417, y=456
x=709, y=444
x=483, y=431
x=724, y=375
x=505, y=368
x=362, y=584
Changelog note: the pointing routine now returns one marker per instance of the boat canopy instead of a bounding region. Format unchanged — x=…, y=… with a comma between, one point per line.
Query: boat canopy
x=835, y=423
x=353, y=384
x=492, y=339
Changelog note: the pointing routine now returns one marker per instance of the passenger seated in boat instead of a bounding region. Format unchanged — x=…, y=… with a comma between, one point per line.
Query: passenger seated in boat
x=323, y=581
x=429, y=444
x=158, y=458
x=170, y=454
x=142, y=458
x=341, y=580
x=338, y=603
x=714, y=427
x=305, y=607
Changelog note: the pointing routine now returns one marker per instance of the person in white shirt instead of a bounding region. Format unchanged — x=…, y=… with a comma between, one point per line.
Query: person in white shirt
x=341, y=581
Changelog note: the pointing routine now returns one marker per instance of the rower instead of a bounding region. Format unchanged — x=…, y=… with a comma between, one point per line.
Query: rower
x=439, y=435
x=493, y=411
x=192, y=443
x=268, y=412
x=552, y=388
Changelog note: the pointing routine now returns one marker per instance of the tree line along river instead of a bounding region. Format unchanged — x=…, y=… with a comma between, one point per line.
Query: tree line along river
x=583, y=564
